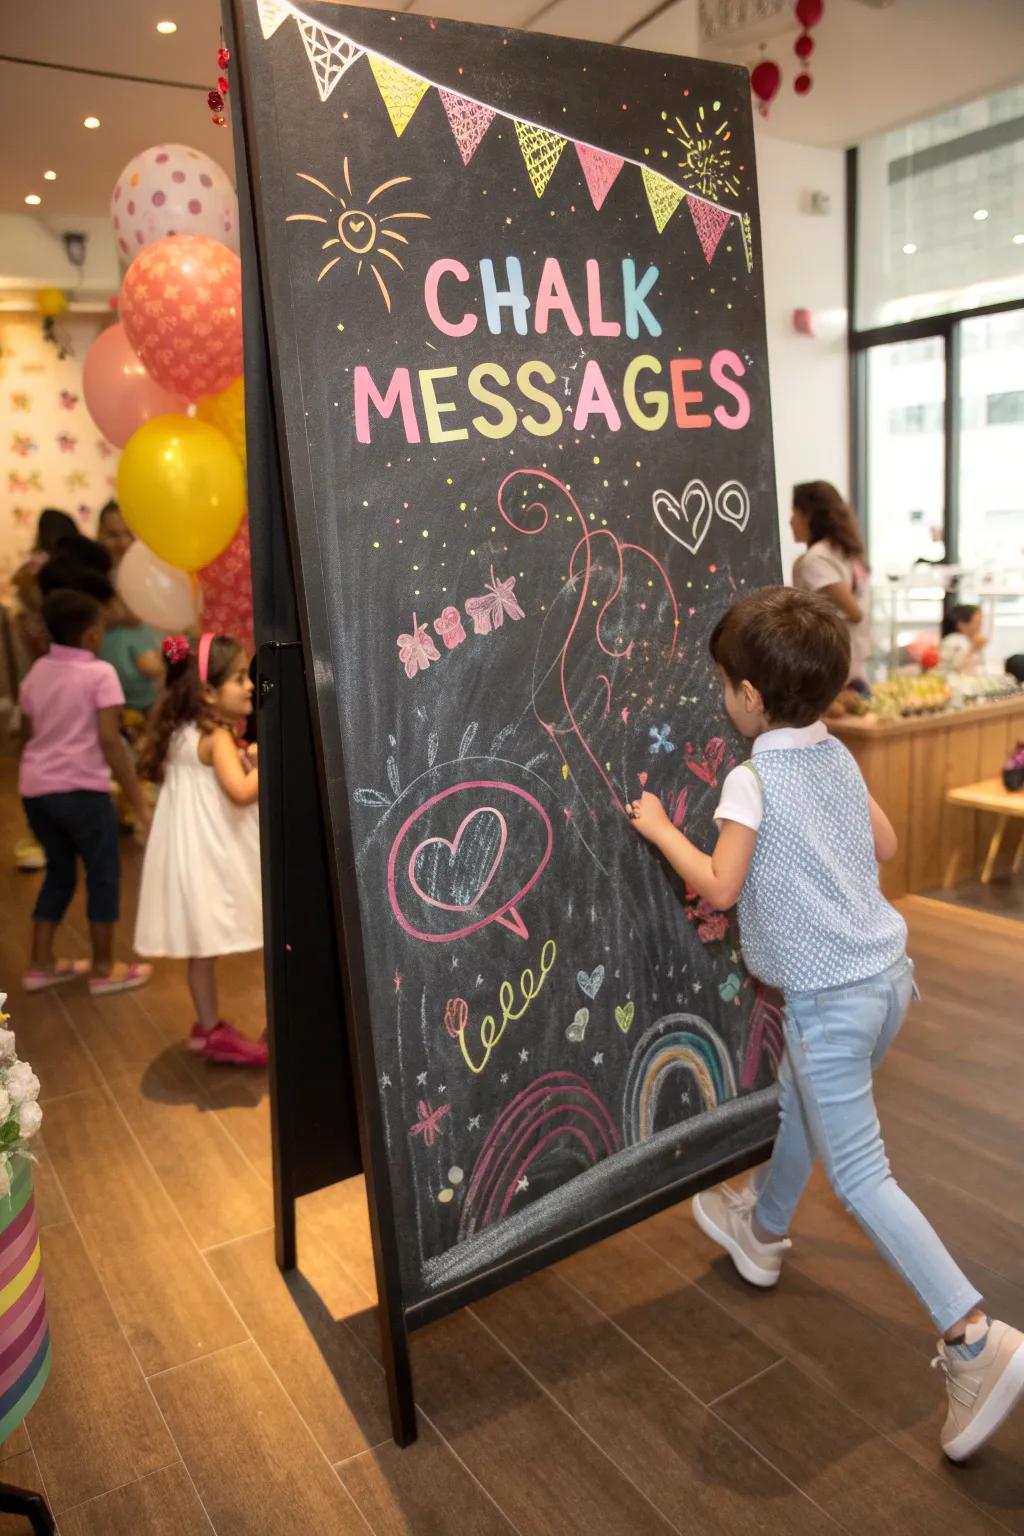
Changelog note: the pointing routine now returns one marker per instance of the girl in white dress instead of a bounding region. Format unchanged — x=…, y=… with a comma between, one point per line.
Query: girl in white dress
x=200, y=894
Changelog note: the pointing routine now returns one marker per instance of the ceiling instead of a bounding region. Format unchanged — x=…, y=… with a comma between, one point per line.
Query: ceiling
x=876, y=65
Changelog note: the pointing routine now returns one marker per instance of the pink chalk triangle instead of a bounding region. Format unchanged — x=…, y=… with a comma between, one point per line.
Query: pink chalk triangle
x=709, y=221
x=469, y=121
x=600, y=170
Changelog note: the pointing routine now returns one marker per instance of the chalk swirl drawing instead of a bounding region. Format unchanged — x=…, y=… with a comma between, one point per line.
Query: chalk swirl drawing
x=456, y=1014
x=688, y=517
x=588, y=629
x=766, y=1039
x=478, y=838
x=677, y=1043
x=464, y=866
x=557, y=1114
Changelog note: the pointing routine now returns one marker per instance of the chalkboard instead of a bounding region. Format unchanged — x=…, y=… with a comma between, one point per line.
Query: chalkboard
x=515, y=310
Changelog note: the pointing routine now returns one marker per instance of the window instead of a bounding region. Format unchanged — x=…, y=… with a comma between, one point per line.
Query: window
x=1005, y=410
x=991, y=448
x=904, y=503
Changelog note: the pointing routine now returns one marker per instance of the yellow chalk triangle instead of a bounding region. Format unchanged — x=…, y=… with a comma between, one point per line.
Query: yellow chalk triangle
x=663, y=195
x=400, y=91
x=541, y=150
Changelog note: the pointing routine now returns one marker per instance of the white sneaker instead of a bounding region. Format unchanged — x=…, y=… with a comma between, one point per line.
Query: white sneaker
x=726, y=1215
x=982, y=1391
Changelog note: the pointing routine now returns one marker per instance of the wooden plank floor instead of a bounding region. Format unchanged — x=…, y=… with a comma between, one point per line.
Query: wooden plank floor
x=638, y=1389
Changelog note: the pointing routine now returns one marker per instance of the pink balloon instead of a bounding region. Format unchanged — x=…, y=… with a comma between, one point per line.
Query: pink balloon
x=181, y=306
x=227, y=590
x=118, y=391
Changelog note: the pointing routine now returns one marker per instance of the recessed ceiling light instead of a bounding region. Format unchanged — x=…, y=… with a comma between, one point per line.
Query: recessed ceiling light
x=980, y=214
x=90, y=122
x=910, y=248
x=49, y=175
x=167, y=27
x=1018, y=239
x=33, y=199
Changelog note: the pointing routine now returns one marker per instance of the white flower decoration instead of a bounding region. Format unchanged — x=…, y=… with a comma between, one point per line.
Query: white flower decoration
x=30, y=1118
x=22, y=1083
x=7, y=1049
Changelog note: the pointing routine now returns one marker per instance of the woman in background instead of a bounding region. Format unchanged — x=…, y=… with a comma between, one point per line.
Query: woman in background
x=834, y=562
x=962, y=640
x=113, y=533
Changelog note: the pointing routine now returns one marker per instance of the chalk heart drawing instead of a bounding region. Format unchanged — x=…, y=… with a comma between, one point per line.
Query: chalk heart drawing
x=590, y=984
x=707, y=767
x=463, y=867
x=578, y=1028
x=624, y=1015
x=465, y=858
x=687, y=519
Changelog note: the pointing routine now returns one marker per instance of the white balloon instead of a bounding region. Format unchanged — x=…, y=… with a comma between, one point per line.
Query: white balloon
x=157, y=593
x=171, y=189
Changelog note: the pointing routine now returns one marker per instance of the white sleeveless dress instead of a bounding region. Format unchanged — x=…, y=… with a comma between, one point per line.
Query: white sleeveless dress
x=200, y=893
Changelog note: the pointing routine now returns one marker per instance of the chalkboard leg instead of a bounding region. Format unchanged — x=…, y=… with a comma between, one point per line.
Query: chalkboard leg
x=31, y=1506
x=398, y=1366
x=284, y=1234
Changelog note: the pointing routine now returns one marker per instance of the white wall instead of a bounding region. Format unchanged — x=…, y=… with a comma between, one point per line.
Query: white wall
x=32, y=256
x=805, y=266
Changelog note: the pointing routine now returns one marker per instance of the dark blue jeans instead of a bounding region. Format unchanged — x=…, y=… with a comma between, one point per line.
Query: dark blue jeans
x=79, y=823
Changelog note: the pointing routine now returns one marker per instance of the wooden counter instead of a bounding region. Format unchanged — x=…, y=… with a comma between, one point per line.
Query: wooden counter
x=909, y=764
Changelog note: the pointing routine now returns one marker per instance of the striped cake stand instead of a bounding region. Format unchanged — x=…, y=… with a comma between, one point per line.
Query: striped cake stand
x=24, y=1334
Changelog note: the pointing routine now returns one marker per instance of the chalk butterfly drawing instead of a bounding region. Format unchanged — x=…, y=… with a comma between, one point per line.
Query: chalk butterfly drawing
x=489, y=612
x=360, y=234
x=417, y=651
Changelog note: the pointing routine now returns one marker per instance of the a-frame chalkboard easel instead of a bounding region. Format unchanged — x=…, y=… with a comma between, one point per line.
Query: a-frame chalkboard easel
x=331, y=1064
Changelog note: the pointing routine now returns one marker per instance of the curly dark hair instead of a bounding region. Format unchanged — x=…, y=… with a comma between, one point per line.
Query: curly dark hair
x=183, y=702
x=794, y=647
x=959, y=613
x=829, y=517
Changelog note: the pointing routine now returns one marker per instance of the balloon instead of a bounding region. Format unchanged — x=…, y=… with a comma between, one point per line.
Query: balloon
x=51, y=302
x=809, y=12
x=181, y=490
x=118, y=391
x=157, y=593
x=226, y=412
x=181, y=306
x=172, y=190
x=227, y=590
x=765, y=79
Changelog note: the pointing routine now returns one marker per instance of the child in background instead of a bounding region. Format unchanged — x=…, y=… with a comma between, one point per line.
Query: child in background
x=962, y=640
x=798, y=847
x=133, y=650
x=200, y=894
x=71, y=705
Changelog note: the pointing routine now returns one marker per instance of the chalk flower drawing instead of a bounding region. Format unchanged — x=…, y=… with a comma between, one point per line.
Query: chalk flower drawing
x=661, y=740
x=489, y=612
x=428, y=1124
x=449, y=627
x=360, y=233
x=417, y=651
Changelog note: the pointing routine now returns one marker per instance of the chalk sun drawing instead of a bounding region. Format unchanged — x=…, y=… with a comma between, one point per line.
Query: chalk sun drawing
x=558, y=1114
x=705, y=155
x=361, y=235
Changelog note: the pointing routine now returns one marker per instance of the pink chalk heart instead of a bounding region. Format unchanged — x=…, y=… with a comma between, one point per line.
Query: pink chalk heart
x=643, y=779
x=707, y=769
x=464, y=866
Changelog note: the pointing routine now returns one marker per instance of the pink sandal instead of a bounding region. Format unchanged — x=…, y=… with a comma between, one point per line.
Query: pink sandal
x=123, y=978
x=63, y=970
x=224, y=1044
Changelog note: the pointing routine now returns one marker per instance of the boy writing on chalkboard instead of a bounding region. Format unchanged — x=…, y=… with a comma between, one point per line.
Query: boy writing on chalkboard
x=798, y=848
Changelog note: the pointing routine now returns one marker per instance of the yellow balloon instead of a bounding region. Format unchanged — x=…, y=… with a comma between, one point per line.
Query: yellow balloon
x=181, y=490
x=226, y=412
x=51, y=302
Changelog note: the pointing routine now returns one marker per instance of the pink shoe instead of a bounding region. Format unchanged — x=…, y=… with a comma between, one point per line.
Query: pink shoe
x=224, y=1044
x=123, y=978
x=63, y=970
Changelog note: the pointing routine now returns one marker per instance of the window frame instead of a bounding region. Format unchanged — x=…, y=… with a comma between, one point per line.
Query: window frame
x=947, y=328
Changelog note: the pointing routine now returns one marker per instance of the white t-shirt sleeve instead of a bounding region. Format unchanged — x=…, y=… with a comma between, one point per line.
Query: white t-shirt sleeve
x=741, y=798
x=820, y=567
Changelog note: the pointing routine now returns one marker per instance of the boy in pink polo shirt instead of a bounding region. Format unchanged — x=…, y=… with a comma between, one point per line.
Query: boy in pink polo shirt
x=71, y=707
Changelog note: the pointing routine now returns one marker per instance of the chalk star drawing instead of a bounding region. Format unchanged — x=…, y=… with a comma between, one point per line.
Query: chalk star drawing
x=598, y=1058
x=523, y=1185
x=442, y=1088
x=474, y=1123
x=385, y=1081
x=504, y=1077
x=706, y=161
x=421, y=1080
x=696, y=986
x=524, y=1056
x=360, y=233
x=428, y=1124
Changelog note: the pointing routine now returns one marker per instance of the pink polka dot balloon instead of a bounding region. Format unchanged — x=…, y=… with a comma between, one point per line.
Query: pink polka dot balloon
x=181, y=308
x=172, y=190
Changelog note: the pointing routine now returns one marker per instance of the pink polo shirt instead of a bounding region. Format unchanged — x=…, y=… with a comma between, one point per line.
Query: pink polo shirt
x=61, y=696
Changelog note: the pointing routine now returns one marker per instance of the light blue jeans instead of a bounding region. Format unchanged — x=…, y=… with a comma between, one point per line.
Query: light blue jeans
x=834, y=1041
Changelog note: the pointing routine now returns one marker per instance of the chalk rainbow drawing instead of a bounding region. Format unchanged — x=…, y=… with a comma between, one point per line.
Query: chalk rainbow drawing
x=679, y=1042
x=557, y=1109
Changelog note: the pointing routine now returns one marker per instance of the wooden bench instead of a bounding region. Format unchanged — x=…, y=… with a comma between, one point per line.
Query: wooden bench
x=989, y=795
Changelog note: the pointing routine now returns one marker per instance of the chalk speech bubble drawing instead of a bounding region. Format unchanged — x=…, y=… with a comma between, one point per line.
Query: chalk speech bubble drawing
x=466, y=858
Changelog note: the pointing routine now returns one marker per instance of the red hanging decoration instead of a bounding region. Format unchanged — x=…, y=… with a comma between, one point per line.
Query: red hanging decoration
x=804, y=46
x=215, y=101
x=223, y=57
x=215, y=98
x=765, y=79
x=802, y=84
x=809, y=12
